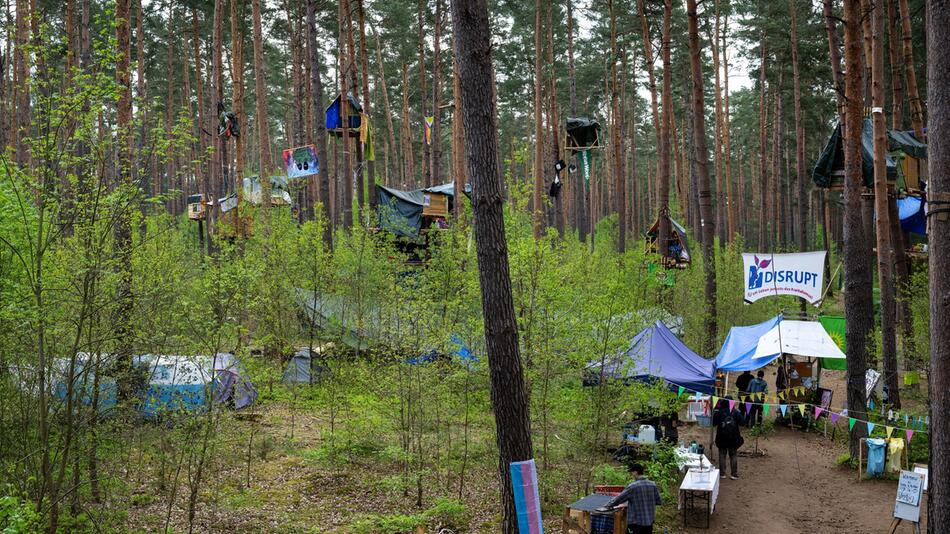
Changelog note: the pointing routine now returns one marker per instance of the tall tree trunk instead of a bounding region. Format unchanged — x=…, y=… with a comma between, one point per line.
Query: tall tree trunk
x=554, y=120
x=662, y=146
x=913, y=95
x=359, y=177
x=408, y=172
x=21, y=82
x=885, y=252
x=508, y=392
x=320, y=135
x=616, y=147
x=801, y=179
x=897, y=72
x=436, y=148
x=938, y=82
x=580, y=196
x=260, y=89
x=834, y=54
x=663, y=149
x=721, y=201
x=364, y=62
x=396, y=163
x=774, y=197
x=423, y=90
x=701, y=153
x=762, y=243
x=537, y=202
x=219, y=158
x=857, y=268
x=140, y=93
x=346, y=183
x=237, y=75
x=731, y=202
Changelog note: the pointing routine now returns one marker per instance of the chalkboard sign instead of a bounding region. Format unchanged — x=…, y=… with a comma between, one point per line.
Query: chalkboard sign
x=909, y=490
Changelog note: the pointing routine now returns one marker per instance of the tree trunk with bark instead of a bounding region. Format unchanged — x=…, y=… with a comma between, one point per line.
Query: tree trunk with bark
x=260, y=89
x=237, y=75
x=706, y=210
x=320, y=125
x=897, y=72
x=663, y=149
x=21, y=82
x=938, y=98
x=508, y=392
x=763, y=240
x=913, y=94
x=857, y=267
x=537, y=202
x=616, y=125
x=801, y=180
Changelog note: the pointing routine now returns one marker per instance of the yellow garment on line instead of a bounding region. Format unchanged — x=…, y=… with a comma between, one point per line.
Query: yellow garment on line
x=895, y=453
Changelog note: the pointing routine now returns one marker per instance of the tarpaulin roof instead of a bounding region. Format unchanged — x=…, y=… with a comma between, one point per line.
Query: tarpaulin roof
x=736, y=353
x=832, y=157
x=913, y=215
x=582, y=132
x=796, y=338
x=906, y=142
x=657, y=352
x=400, y=212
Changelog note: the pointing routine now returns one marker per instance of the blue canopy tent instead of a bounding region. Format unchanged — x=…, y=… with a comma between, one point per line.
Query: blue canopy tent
x=657, y=353
x=738, y=350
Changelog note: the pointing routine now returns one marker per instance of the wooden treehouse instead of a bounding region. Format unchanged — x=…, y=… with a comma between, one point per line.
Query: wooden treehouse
x=354, y=117
x=676, y=255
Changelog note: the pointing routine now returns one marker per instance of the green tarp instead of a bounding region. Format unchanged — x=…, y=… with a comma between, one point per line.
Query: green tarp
x=832, y=158
x=906, y=143
x=834, y=325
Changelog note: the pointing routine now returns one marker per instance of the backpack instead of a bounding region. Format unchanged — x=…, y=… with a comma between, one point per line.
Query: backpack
x=728, y=428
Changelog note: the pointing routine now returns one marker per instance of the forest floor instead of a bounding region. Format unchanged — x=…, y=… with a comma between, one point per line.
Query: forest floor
x=795, y=486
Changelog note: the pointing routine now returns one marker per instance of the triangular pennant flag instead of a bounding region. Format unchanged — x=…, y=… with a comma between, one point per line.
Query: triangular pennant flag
x=783, y=408
x=765, y=409
x=851, y=421
x=732, y=405
x=781, y=395
x=681, y=390
x=834, y=417
x=818, y=410
x=801, y=409
x=906, y=418
x=743, y=398
x=871, y=403
x=715, y=402
x=887, y=431
x=870, y=428
x=844, y=412
x=748, y=407
x=910, y=434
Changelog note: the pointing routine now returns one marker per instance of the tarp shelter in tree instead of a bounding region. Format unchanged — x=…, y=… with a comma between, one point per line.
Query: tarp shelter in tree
x=582, y=133
x=338, y=320
x=656, y=353
x=678, y=250
x=408, y=213
x=829, y=170
x=910, y=156
x=457, y=350
x=279, y=193
x=183, y=383
x=304, y=367
x=354, y=116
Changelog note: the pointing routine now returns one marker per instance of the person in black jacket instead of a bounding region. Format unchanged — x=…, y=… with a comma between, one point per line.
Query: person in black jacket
x=728, y=437
x=742, y=383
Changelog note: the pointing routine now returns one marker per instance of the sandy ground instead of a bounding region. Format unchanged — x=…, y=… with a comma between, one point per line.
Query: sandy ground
x=795, y=487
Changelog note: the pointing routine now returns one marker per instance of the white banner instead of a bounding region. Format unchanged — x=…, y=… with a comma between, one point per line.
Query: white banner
x=801, y=275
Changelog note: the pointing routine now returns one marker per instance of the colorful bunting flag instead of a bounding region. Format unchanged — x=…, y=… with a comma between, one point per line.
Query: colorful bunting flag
x=428, y=125
x=906, y=417
x=732, y=405
x=887, y=431
x=715, y=402
x=870, y=428
x=748, y=407
x=818, y=410
x=801, y=409
x=781, y=395
x=681, y=390
x=743, y=398
x=834, y=417
x=871, y=403
x=783, y=408
x=765, y=409
x=910, y=434
x=851, y=421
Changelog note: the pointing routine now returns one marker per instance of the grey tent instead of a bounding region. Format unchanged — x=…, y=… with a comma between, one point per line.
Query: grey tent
x=304, y=368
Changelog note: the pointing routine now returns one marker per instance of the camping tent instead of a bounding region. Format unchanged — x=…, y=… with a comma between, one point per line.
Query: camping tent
x=796, y=338
x=304, y=367
x=183, y=383
x=400, y=212
x=657, y=353
x=737, y=352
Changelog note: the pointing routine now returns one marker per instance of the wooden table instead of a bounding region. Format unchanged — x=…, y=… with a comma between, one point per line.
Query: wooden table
x=579, y=516
x=693, y=489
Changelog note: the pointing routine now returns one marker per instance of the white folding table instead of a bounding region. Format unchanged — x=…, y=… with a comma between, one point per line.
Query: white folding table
x=699, y=487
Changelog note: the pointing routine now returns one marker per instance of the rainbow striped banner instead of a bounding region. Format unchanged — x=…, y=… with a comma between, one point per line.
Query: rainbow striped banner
x=524, y=485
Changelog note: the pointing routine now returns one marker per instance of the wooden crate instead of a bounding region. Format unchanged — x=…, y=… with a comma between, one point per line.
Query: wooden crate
x=435, y=205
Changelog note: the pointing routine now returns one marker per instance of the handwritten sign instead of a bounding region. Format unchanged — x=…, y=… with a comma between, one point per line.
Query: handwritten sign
x=909, y=488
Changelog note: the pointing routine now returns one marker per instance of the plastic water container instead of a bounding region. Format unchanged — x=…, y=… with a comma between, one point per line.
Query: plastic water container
x=647, y=434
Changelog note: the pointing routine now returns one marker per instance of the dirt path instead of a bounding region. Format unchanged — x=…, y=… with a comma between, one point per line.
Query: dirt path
x=797, y=488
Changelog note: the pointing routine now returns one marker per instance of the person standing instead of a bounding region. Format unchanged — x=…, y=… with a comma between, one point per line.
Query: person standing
x=742, y=383
x=642, y=497
x=757, y=386
x=728, y=437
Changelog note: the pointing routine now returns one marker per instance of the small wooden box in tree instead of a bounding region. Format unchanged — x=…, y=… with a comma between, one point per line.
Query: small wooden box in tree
x=196, y=207
x=435, y=205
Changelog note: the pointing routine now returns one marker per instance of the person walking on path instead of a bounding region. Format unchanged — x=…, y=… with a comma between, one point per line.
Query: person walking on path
x=728, y=437
x=642, y=497
x=756, y=387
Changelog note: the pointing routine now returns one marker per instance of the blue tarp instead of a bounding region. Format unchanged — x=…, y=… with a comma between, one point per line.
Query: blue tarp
x=458, y=350
x=912, y=214
x=657, y=353
x=737, y=352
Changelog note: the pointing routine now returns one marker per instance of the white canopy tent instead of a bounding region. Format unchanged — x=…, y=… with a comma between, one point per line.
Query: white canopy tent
x=796, y=338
